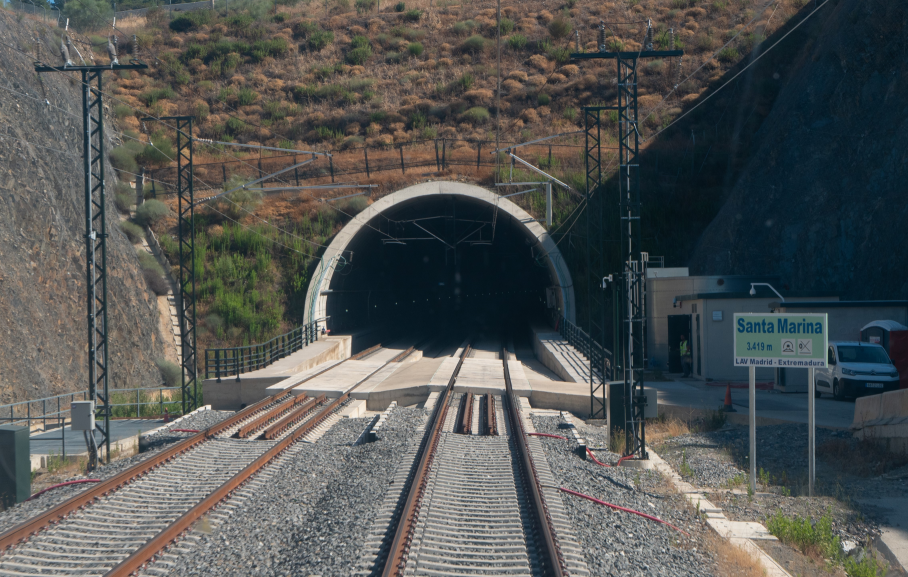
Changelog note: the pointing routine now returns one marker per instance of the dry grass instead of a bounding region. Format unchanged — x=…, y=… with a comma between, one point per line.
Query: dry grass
x=732, y=561
x=660, y=430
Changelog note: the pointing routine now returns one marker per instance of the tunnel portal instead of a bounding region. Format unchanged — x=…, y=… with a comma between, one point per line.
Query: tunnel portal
x=439, y=256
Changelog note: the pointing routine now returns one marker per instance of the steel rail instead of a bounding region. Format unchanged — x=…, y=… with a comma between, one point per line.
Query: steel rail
x=54, y=515
x=400, y=546
x=276, y=429
x=269, y=416
x=147, y=552
x=551, y=553
x=466, y=414
x=491, y=420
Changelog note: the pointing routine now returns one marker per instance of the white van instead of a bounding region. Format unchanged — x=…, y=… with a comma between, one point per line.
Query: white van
x=855, y=369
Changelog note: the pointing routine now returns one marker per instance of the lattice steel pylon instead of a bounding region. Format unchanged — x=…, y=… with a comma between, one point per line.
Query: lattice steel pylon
x=93, y=159
x=633, y=268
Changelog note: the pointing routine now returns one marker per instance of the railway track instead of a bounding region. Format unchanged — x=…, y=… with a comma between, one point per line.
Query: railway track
x=474, y=501
x=120, y=525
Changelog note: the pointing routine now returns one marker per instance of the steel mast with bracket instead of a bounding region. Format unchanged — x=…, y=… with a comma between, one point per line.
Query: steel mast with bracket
x=634, y=268
x=93, y=159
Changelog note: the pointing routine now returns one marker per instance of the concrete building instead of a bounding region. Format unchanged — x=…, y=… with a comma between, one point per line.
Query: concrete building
x=667, y=319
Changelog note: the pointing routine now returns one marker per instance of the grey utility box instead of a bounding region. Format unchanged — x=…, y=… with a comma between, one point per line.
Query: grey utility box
x=83, y=415
x=15, y=465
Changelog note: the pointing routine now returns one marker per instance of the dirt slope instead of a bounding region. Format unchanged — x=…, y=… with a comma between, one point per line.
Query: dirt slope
x=42, y=272
x=821, y=200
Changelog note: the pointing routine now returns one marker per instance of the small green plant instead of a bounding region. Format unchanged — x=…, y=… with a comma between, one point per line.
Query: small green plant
x=246, y=96
x=817, y=538
x=400, y=7
x=364, y=6
x=150, y=212
x=560, y=28
x=464, y=28
x=123, y=158
x=360, y=52
x=786, y=492
x=507, y=26
x=476, y=115
x=475, y=43
x=559, y=54
x=615, y=45
x=543, y=99
x=465, y=82
x=686, y=470
x=764, y=477
x=413, y=15
x=728, y=55
x=133, y=232
x=868, y=566
x=170, y=372
x=418, y=121
x=415, y=48
x=517, y=41
x=570, y=113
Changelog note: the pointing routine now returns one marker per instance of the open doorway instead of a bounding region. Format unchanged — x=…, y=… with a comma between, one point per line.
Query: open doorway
x=678, y=326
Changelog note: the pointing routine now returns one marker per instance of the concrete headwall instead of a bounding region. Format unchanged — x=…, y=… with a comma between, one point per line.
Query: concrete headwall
x=883, y=418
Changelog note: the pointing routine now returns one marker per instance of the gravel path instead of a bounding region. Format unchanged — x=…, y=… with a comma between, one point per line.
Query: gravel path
x=314, y=517
x=29, y=509
x=617, y=543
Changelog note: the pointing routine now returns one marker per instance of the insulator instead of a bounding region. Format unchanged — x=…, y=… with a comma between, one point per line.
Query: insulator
x=135, y=46
x=577, y=34
x=671, y=38
x=648, y=40
x=601, y=36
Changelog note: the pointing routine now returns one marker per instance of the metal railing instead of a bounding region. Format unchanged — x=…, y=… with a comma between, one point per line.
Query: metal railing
x=599, y=356
x=233, y=361
x=56, y=410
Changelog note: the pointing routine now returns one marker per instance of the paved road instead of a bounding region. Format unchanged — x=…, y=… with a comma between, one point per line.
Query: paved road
x=771, y=404
x=49, y=442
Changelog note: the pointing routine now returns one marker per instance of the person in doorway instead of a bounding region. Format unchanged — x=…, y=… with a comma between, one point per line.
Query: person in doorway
x=685, y=356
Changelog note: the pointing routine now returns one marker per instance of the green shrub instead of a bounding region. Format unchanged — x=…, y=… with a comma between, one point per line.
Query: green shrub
x=158, y=152
x=191, y=20
x=615, y=45
x=507, y=26
x=279, y=17
x=239, y=23
x=122, y=111
x=246, y=96
x=170, y=372
x=728, y=55
x=413, y=15
x=133, y=232
x=400, y=7
x=361, y=51
x=809, y=538
x=418, y=121
x=570, y=113
x=415, y=48
x=122, y=158
x=517, y=41
x=465, y=82
x=148, y=262
x=150, y=97
x=543, y=99
x=364, y=6
x=464, y=28
x=475, y=43
x=150, y=212
x=274, y=47
x=393, y=57
x=560, y=28
x=476, y=115
x=319, y=39
x=124, y=202
x=88, y=14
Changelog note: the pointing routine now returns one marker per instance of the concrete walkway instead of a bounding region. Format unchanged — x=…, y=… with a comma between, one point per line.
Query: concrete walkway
x=894, y=531
x=43, y=445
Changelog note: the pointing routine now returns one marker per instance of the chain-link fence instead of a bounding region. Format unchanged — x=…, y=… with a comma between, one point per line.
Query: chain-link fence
x=48, y=15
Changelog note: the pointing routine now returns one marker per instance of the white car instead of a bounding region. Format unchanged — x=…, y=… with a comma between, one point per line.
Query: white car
x=855, y=369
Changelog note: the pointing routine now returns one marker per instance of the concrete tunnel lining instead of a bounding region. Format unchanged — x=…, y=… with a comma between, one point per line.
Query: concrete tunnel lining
x=558, y=273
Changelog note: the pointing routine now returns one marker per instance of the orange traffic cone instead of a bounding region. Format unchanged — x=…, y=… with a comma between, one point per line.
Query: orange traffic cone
x=728, y=407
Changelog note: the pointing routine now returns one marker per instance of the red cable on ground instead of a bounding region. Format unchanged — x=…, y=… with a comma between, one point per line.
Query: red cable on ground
x=595, y=460
x=624, y=458
x=625, y=509
x=546, y=435
x=63, y=485
x=185, y=431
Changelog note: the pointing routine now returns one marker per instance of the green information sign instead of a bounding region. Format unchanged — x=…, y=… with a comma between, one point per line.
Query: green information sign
x=780, y=340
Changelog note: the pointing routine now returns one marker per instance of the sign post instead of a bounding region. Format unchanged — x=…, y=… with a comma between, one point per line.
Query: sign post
x=780, y=341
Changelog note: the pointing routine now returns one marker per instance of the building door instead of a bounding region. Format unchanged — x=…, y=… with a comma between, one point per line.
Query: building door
x=678, y=326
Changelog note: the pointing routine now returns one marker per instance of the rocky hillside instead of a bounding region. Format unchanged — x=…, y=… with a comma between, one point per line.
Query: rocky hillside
x=821, y=197
x=42, y=270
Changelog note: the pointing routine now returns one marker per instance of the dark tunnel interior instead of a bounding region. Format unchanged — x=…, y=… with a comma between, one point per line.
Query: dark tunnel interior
x=437, y=264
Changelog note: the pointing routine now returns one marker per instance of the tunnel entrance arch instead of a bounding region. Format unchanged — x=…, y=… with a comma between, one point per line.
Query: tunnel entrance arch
x=439, y=249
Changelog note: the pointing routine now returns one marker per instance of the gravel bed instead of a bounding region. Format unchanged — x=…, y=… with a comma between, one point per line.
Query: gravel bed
x=618, y=543
x=198, y=421
x=314, y=517
x=23, y=511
